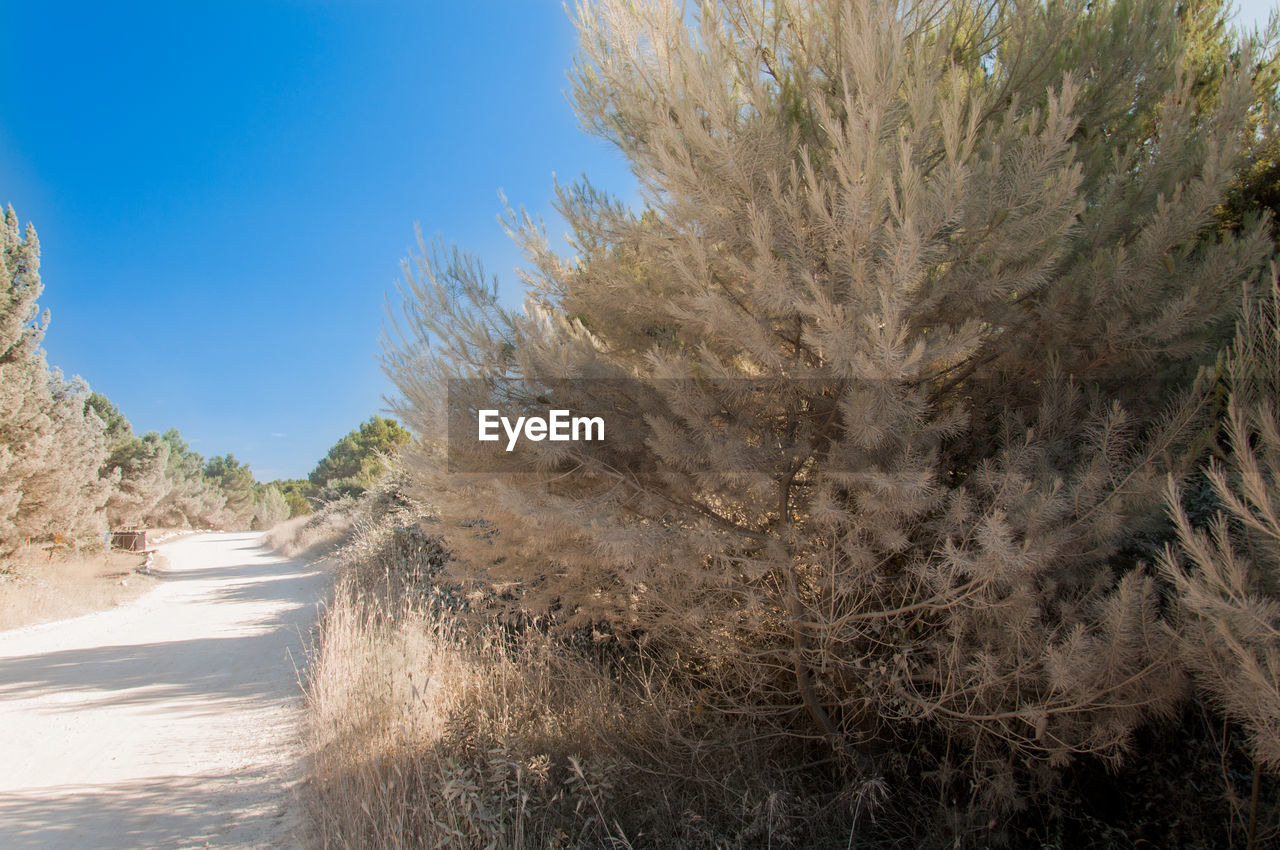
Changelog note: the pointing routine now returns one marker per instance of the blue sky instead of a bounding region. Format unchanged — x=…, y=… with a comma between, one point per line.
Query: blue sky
x=224, y=190
x=1254, y=12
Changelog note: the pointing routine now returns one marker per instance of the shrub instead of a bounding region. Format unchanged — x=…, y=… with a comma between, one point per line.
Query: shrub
x=897, y=356
x=1228, y=574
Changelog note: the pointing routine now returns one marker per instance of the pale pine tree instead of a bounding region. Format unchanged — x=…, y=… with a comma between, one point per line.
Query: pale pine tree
x=20, y=336
x=1228, y=574
x=270, y=508
x=191, y=499
x=162, y=482
x=898, y=355
x=52, y=443
x=234, y=481
x=82, y=490
x=143, y=468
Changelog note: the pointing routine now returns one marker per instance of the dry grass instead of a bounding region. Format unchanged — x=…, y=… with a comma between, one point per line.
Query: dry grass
x=316, y=533
x=421, y=737
x=37, y=588
x=427, y=730
x=418, y=740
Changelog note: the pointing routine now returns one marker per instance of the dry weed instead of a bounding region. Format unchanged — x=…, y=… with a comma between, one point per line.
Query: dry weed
x=36, y=587
x=426, y=730
x=317, y=533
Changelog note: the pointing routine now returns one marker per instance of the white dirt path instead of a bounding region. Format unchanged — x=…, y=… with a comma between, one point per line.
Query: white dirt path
x=169, y=722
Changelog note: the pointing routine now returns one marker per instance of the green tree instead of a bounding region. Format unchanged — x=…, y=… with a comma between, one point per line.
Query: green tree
x=141, y=463
x=357, y=460
x=899, y=354
x=297, y=493
x=235, y=481
x=115, y=425
x=191, y=500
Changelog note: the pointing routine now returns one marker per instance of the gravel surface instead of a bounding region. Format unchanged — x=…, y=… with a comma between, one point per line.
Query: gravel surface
x=169, y=722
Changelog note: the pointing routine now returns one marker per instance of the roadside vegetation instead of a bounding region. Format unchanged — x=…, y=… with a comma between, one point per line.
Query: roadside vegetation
x=71, y=466
x=316, y=533
x=941, y=500
x=41, y=587
x=350, y=467
x=948, y=517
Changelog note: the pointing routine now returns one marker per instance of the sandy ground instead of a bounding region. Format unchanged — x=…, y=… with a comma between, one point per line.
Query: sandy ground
x=168, y=722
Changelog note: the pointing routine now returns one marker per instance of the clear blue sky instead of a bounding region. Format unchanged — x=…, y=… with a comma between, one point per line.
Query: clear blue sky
x=1250, y=13
x=224, y=190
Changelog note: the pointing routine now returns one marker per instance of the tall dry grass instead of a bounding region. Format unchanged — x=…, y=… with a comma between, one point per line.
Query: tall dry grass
x=427, y=729
x=315, y=533
x=419, y=739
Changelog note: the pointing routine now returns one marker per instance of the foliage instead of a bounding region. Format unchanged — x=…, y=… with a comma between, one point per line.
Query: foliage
x=142, y=464
x=1257, y=189
x=235, y=480
x=116, y=427
x=161, y=481
x=423, y=733
x=321, y=531
x=297, y=494
x=192, y=500
x=900, y=351
x=70, y=463
x=269, y=508
x=52, y=443
x=1228, y=574
x=357, y=460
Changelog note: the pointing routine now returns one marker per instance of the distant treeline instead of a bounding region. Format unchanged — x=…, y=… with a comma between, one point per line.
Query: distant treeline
x=352, y=465
x=71, y=466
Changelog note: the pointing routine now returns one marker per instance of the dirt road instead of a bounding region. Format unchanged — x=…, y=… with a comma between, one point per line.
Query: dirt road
x=169, y=722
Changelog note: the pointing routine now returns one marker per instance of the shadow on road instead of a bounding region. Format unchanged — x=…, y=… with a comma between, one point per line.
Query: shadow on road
x=168, y=722
x=207, y=810
x=244, y=662
x=147, y=672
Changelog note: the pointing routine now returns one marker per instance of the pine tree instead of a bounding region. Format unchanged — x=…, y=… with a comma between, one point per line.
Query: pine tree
x=192, y=500
x=270, y=508
x=161, y=480
x=297, y=493
x=897, y=357
x=52, y=443
x=20, y=336
x=356, y=461
x=142, y=464
x=1228, y=574
x=116, y=427
x=235, y=481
